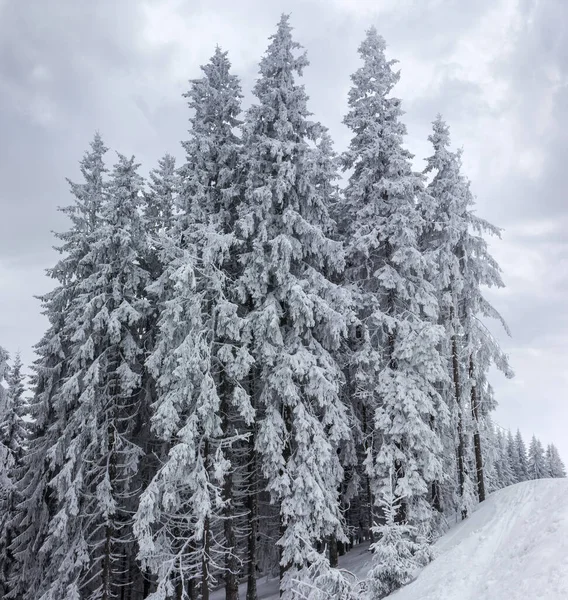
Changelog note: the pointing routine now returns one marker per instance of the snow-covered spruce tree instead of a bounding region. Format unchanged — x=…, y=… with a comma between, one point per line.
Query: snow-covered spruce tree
x=447, y=221
x=554, y=464
x=536, y=460
x=491, y=456
x=504, y=468
x=6, y=477
x=12, y=447
x=160, y=198
x=186, y=520
x=513, y=456
x=397, y=304
x=523, y=467
x=454, y=240
x=35, y=567
x=394, y=551
x=90, y=542
x=295, y=318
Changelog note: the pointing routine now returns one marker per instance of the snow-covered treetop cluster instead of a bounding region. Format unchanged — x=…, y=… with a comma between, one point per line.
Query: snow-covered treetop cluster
x=249, y=367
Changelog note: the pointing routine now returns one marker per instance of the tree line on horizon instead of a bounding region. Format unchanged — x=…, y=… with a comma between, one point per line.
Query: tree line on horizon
x=250, y=368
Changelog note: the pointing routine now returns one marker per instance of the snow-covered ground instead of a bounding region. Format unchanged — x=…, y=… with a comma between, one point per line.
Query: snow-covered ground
x=357, y=562
x=514, y=547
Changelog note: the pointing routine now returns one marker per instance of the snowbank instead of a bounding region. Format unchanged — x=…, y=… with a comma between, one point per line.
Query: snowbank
x=514, y=547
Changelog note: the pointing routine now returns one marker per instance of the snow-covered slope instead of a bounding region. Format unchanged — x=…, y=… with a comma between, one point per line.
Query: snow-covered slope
x=514, y=547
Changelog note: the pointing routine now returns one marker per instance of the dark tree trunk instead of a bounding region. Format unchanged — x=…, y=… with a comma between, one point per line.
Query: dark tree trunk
x=252, y=502
x=368, y=491
x=205, y=561
x=205, y=558
x=457, y=395
x=436, y=496
x=193, y=589
x=399, y=472
x=476, y=436
x=333, y=552
x=114, y=392
x=286, y=455
x=231, y=561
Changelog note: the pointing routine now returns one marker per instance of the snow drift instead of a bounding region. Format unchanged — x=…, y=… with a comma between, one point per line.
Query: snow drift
x=514, y=547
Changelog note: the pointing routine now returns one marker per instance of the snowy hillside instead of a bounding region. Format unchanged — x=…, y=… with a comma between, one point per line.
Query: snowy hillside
x=515, y=547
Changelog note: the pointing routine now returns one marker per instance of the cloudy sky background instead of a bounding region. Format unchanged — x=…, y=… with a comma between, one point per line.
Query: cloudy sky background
x=496, y=69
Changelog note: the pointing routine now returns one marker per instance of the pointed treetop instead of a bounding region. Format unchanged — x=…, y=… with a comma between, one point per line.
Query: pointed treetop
x=89, y=194
x=97, y=145
x=279, y=61
x=92, y=162
x=4, y=356
x=215, y=97
x=16, y=376
x=440, y=137
x=376, y=76
x=373, y=44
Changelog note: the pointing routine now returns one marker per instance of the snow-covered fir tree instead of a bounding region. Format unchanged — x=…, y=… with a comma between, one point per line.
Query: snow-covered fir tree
x=522, y=460
x=89, y=543
x=199, y=361
x=35, y=566
x=513, y=457
x=9, y=445
x=454, y=239
x=160, y=198
x=503, y=462
x=536, y=460
x=401, y=367
x=295, y=315
x=554, y=464
x=394, y=552
x=12, y=447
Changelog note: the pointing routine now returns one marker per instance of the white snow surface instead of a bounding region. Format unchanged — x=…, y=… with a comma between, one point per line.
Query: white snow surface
x=513, y=547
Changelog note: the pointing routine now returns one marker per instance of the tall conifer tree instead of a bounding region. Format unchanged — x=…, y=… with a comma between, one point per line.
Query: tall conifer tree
x=36, y=566
x=296, y=316
x=199, y=360
x=454, y=239
x=402, y=367
x=536, y=460
x=95, y=488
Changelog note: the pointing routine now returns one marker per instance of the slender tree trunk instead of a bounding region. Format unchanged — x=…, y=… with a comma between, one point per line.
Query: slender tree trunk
x=399, y=471
x=231, y=562
x=333, y=552
x=206, y=548
x=193, y=589
x=125, y=577
x=147, y=585
x=252, y=500
x=476, y=436
x=113, y=390
x=205, y=561
x=368, y=491
x=286, y=455
x=179, y=591
x=458, y=399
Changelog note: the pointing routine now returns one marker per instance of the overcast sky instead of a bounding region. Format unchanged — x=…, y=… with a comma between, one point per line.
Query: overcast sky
x=496, y=69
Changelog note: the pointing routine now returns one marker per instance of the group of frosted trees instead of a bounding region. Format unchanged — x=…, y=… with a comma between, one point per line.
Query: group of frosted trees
x=510, y=462
x=249, y=368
